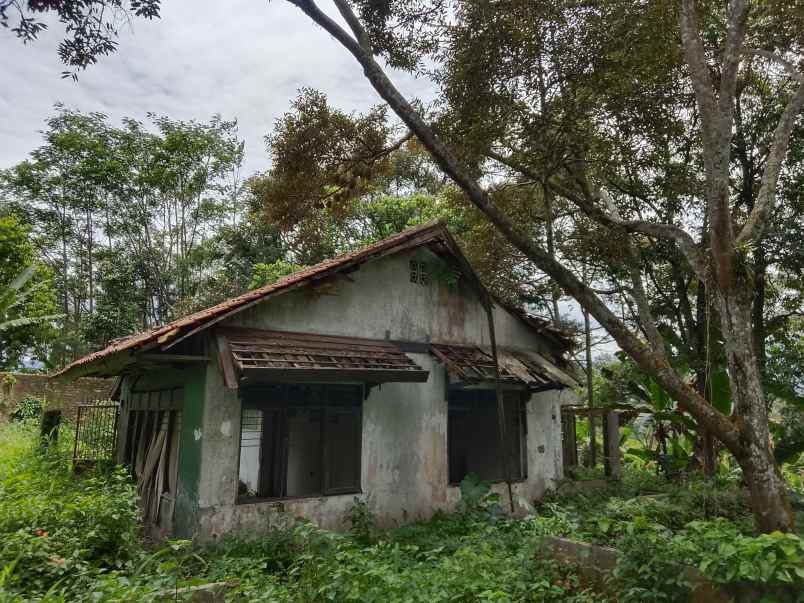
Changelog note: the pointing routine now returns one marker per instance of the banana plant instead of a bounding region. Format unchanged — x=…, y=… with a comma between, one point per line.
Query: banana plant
x=12, y=300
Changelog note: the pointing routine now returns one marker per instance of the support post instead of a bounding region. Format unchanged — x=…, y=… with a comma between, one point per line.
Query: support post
x=500, y=406
x=611, y=437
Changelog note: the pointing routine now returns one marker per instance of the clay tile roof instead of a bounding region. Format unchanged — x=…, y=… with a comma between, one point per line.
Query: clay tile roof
x=181, y=328
x=161, y=335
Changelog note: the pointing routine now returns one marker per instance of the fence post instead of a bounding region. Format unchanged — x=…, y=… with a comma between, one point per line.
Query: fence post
x=611, y=441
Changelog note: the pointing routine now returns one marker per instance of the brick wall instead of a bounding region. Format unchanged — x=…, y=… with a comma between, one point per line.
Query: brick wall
x=66, y=395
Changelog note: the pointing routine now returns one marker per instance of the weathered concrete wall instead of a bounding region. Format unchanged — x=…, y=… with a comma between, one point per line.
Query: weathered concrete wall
x=380, y=301
x=405, y=447
x=404, y=467
x=403, y=460
x=64, y=395
x=403, y=463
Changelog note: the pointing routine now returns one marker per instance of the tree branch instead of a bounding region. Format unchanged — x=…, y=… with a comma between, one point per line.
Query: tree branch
x=757, y=221
x=775, y=58
x=354, y=24
x=659, y=368
x=735, y=32
x=656, y=230
x=695, y=56
x=716, y=122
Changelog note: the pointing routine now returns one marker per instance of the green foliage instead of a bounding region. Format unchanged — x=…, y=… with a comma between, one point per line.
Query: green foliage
x=361, y=520
x=77, y=539
x=265, y=274
x=91, y=27
x=54, y=525
x=131, y=219
x=642, y=575
x=27, y=409
x=706, y=524
x=27, y=297
x=774, y=562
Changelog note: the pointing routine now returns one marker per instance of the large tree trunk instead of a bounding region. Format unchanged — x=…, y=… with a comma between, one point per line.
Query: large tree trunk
x=754, y=454
x=746, y=439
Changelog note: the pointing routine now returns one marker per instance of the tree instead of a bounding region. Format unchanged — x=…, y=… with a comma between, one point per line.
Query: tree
x=134, y=221
x=719, y=253
x=27, y=299
x=91, y=26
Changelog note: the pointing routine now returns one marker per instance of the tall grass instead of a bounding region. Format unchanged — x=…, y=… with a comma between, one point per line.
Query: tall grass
x=56, y=527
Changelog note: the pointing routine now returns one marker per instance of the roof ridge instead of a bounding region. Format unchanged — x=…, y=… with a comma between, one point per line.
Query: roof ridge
x=218, y=311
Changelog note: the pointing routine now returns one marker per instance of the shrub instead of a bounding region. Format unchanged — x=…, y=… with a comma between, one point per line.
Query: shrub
x=771, y=563
x=27, y=409
x=55, y=525
x=647, y=570
x=362, y=520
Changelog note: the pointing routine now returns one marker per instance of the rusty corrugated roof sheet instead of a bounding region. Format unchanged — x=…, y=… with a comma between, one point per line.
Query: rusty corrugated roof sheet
x=179, y=329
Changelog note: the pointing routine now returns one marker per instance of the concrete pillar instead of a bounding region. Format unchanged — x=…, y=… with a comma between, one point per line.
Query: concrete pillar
x=545, y=458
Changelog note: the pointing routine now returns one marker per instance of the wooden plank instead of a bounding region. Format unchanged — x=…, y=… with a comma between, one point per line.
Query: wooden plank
x=172, y=358
x=326, y=375
x=227, y=364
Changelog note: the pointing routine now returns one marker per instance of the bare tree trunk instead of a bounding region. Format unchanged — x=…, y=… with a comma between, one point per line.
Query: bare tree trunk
x=551, y=249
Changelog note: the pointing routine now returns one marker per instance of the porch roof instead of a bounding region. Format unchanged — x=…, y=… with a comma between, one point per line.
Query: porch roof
x=472, y=364
x=256, y=355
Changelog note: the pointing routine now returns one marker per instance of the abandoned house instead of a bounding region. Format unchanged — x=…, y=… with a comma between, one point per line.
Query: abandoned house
x=371, y=374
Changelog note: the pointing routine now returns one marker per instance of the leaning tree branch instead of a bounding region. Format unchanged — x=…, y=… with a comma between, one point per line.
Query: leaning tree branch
x=791, y=69
x=757, y=221
x=649, y=361
x=656, y=230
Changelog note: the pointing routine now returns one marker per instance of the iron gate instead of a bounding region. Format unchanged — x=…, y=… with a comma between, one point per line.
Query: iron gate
x=95, y=433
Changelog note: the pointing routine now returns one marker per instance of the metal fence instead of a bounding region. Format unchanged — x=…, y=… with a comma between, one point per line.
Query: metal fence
x=95, y=433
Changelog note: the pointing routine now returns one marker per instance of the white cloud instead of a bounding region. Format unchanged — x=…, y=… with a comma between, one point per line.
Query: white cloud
x=241, y=59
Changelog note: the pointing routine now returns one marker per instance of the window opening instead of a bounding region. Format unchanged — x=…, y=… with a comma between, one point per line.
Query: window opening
x=299, y=441
x=418, y=273
x=473, y=438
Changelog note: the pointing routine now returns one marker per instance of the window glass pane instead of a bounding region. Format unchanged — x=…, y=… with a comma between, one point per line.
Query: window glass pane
x=250, y=448
x=343, y=433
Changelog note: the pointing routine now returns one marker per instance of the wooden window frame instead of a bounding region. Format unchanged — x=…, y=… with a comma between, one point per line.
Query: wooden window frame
x=521, y=435
x=281, y=408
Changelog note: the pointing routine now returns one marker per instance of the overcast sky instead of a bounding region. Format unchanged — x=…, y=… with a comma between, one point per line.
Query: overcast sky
x=242, y=59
